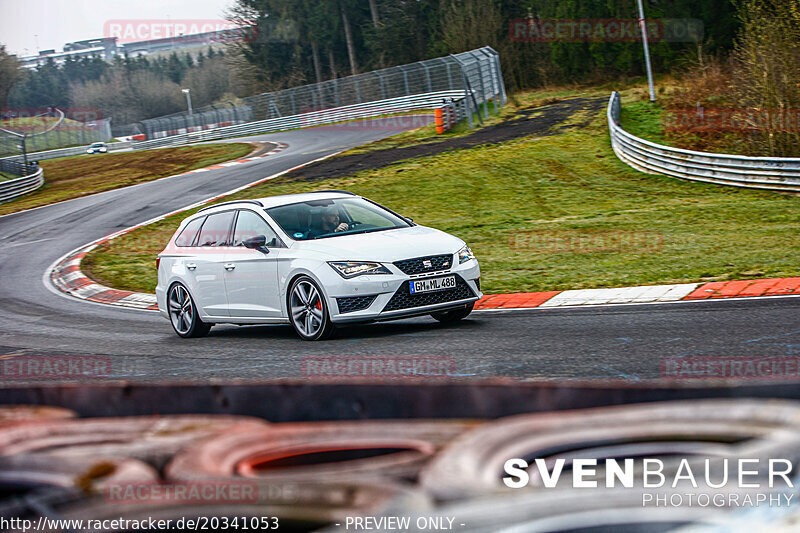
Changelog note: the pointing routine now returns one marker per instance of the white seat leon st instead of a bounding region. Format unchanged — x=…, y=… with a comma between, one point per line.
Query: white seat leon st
x=312, y=260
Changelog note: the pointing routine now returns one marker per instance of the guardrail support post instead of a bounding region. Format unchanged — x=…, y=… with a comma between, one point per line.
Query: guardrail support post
x=24, y=155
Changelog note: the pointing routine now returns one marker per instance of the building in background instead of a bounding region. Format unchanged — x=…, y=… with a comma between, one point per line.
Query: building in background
x=107, y=47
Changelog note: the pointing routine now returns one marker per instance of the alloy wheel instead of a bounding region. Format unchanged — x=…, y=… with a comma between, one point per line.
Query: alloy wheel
x=306, y=306
x=181, y=310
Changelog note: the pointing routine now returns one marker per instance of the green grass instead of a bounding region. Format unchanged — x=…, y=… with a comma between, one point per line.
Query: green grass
x=76, y=176
x=647, y=120
x=507, y=200
x=427, y=134
x=643, y=119
x=5, y=176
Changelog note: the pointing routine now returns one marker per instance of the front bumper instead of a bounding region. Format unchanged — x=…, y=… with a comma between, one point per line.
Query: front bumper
x=386, y=297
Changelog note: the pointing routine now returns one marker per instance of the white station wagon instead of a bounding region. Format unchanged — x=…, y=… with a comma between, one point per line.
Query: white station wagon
x=313, y=260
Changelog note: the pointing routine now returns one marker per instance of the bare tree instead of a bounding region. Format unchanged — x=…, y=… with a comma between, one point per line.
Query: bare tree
x=373, y=9
x=767, y=73
x=348, y=36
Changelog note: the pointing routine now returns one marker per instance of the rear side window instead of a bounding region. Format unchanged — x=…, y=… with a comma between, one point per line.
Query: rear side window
x=186, y=238
x=216, y=230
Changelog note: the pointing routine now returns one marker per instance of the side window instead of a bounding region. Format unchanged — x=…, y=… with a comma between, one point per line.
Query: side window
x=216, y=230
x=186, y=238
x=250, y=225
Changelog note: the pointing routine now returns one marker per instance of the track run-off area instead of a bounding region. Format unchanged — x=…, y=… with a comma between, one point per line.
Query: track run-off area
x=629, y=342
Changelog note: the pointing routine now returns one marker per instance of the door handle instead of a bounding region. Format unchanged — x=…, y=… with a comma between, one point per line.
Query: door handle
x=229, y=266
x=191, y=266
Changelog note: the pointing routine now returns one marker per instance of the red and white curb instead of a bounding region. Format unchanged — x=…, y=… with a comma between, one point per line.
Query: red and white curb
x=643, y=294
x=279, y=148
x=66, y=275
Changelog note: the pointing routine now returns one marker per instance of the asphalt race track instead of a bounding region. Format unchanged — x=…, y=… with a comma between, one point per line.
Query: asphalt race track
x=628, y=342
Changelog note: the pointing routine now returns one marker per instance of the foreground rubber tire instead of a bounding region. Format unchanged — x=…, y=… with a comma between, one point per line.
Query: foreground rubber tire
x=308, y=312
x=693, y=429
x=454, y=315
x=14, y=414
x=318, y=451
x=183, y=313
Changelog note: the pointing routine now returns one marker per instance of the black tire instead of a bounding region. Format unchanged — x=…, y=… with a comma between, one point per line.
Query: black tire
x=183, y=313
x=454, y=315
x=308, y=311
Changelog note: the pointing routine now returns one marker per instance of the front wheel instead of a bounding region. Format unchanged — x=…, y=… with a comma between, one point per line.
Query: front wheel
x=308, y=312
x=183, y=313
x=454, y=315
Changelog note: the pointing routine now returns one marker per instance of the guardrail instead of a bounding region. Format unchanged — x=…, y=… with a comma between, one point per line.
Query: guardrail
x=12, y=189
x=65, y=152
x=771, y=173
x=475, y=72
x=313, y=118
x=452, y=111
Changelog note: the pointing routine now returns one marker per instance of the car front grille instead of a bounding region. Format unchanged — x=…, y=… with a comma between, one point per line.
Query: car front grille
x=403, y=299
x=351, y=304
x=419, y=265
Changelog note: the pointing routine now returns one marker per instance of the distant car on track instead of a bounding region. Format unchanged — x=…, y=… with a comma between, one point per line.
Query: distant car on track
x=313, y=260
x=97, y=148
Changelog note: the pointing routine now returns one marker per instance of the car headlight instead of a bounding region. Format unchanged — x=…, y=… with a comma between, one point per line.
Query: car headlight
x=465, y=254
x=351, y=269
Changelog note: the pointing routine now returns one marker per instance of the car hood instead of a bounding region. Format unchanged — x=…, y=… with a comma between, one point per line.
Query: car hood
x=385, y=246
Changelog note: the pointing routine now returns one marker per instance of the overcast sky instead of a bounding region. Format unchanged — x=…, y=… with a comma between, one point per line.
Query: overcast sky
x=55, y=22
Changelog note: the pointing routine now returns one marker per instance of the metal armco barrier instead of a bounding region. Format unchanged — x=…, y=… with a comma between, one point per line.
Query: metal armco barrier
x=475, y=73
x=471, y=79
x=310, y=119
x=65, y=152
x=445, y=116
x=12, y=189
x=772, y=173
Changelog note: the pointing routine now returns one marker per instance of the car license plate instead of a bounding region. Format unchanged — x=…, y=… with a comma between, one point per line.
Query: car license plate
x=433, y=284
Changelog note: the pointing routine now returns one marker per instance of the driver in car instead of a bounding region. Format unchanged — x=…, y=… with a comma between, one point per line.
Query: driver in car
x=330, y=221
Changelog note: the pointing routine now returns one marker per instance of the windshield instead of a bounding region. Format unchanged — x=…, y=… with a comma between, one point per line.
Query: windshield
x=321, y=219
x=97, y=145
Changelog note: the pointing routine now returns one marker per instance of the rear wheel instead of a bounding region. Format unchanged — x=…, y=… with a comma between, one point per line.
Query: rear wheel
x=308, y=312
x=454, y=315
x=183, y=313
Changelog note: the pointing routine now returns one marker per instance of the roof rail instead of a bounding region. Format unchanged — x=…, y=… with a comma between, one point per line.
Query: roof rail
x=259, y=204
x=337, y=190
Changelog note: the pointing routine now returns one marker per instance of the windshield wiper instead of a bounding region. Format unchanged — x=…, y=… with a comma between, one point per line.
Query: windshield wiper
x=342, y=233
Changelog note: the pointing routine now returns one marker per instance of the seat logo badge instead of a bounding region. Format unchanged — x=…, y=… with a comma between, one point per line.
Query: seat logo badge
x=427, y=263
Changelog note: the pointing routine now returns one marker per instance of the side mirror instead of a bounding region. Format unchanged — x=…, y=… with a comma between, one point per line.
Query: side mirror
x=258, y=242
x=410, y=220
